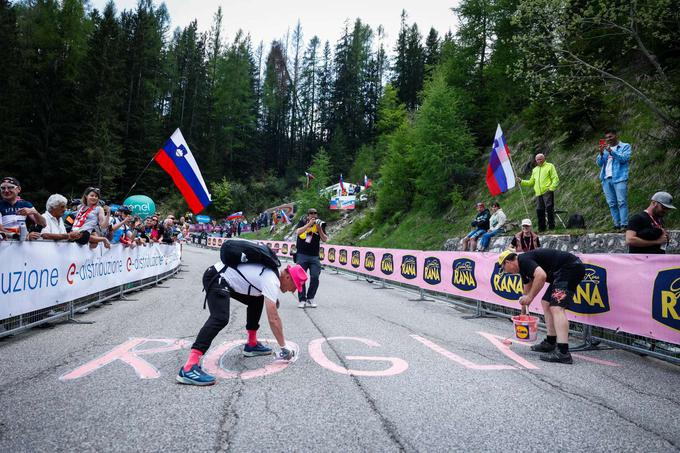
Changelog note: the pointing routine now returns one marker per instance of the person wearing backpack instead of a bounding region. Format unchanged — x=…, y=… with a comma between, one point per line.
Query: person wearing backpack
x=247, y=272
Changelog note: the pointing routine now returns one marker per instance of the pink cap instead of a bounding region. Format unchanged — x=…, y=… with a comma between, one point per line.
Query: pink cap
x=298, y=274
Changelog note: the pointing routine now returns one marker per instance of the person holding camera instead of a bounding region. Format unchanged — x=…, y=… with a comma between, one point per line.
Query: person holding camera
x=310, y=232
x=613, y=160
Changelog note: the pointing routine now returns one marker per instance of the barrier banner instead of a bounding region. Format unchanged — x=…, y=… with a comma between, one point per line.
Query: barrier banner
x=637, y=294
x=36, y=275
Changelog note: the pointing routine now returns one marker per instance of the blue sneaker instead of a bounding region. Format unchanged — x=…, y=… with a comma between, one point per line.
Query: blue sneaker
x=195, y=376
x=258, y=349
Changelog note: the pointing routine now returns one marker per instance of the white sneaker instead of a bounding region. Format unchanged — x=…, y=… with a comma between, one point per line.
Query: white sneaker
x=301, y=304
x=311, y=303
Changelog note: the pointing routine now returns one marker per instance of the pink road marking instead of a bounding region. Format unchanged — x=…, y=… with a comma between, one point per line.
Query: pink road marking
x=505, y=349
x=398, y=366
x=211, y=361
x=128, y=353
x=458, y=359
x=579, y=356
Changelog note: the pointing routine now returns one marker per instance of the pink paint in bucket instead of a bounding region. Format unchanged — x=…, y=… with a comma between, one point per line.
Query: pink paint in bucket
x=526, y=327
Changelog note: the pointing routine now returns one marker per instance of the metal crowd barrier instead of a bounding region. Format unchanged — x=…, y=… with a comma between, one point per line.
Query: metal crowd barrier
x=67, y=311
x=593, y=338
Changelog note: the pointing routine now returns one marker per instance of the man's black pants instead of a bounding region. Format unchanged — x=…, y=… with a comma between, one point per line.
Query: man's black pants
x=546, y=204
x=218, y=295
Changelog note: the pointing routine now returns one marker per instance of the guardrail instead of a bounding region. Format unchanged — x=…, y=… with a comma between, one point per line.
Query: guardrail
x=66, y=279
x=625, y=301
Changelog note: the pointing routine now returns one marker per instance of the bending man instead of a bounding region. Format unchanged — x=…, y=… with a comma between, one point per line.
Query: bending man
x=564, y=272
x=253, y=285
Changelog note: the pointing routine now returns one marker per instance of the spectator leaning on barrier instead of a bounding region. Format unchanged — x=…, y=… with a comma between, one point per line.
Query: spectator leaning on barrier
x=480, y=225
x=544, y=180
x=564, y=272
x=526, y=239
x=497, y=226
x=645, y=233
x=55, y=230
x=89, y=216
x=15, y=212
x=613, y=160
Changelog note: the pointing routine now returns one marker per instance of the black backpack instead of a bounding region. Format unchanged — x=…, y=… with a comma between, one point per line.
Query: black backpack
x=576, y=221
x=241, y=251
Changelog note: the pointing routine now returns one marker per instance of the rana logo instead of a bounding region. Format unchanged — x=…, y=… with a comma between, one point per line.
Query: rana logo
x=508, y=286
x=356, y=258
x=269, y=244
x=369, y=261
x=666, y=298
x=343, y=257
x=464, y=274
x=409, y=267
x=432, y=271
x=387, y=264
x=322, y=253
x=591, y=297
x=293, y=250
x=331, y=255
x=284, y=249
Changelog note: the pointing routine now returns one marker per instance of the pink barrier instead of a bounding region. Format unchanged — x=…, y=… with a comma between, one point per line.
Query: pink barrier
x=637, y=294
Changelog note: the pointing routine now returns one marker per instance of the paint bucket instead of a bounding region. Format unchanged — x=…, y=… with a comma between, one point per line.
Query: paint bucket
x=526, y=327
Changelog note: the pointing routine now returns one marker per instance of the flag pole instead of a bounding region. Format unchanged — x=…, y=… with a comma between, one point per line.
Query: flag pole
x=137, y=180
x=524, y=201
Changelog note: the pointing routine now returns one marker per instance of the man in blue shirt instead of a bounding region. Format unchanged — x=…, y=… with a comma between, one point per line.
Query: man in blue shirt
x=14, y=211
x=613, y=161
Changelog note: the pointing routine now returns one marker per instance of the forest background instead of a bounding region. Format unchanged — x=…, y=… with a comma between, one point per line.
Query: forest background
x=88, y=96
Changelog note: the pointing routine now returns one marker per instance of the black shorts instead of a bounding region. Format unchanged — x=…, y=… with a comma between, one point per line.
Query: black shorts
x=565, y=281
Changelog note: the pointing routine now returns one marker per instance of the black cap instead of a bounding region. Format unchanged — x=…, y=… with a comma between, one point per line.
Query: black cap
x=11, y=180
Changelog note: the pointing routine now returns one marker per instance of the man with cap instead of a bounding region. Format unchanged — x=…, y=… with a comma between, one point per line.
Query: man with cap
x=526, y=239
x=645, y=232
x=480, y=224
x=255, y=286
x=13, y=211
x=564, y=272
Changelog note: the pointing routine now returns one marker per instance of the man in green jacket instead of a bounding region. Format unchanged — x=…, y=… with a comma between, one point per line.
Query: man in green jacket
x=544, y=180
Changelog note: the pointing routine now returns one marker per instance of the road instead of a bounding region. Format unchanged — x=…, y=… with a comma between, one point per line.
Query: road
x=423, y=379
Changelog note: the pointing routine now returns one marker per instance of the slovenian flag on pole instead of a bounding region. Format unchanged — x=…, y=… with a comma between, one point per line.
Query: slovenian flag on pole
x=342, y=186
x=236, y=215
x=176, y=159
x=284, y=217
x=367, y=182
x=499, y=174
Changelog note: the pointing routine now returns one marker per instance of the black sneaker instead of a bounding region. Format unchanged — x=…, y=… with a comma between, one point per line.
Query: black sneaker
x=557, y=357
x=543, y=346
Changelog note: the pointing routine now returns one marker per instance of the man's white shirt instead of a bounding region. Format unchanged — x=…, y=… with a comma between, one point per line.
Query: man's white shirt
x=265, y=281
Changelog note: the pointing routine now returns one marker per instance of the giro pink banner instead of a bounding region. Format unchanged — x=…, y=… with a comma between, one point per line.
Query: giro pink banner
x=637, y=294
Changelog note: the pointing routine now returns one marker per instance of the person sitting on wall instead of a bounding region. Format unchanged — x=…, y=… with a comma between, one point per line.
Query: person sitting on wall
x=497, y=226
x=526, y=239
x=479, y=226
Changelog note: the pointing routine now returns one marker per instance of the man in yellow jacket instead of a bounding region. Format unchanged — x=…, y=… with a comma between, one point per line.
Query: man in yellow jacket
x=544, y=180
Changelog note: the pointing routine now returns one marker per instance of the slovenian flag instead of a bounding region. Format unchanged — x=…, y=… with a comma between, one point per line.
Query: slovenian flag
x=236, y=215
x=342, y=186
x=284, y=217
x=176, y=159
x=367, y=182
x=499, y=174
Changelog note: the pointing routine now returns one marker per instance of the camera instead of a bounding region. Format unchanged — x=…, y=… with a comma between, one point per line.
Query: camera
x=321, y=223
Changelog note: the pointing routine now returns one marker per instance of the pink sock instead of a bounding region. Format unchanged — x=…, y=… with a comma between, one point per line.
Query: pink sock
x=194, y=357
x=252, y=337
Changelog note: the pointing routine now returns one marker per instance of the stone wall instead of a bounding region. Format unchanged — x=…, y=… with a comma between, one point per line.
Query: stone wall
x=586, y=243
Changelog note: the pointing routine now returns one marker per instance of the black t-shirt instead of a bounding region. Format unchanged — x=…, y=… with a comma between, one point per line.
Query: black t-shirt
x=308, y=246
x=549, y=260
x=644, y=228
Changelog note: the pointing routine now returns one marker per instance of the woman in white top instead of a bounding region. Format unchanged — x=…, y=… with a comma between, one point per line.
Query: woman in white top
x=497, y=223
x=89, y=216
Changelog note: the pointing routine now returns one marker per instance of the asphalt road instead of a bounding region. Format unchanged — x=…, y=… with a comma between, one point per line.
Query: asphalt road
x=423, y=379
